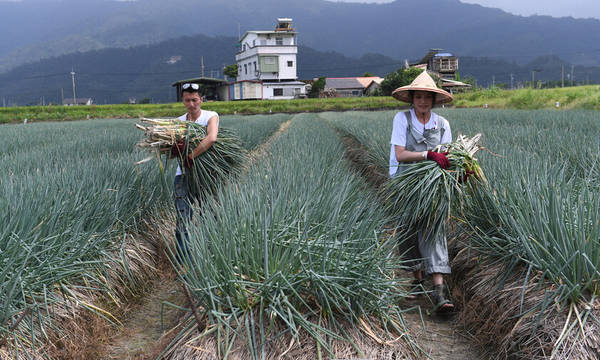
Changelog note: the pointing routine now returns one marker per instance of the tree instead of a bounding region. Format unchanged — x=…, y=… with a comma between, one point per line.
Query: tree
x=400, y=77
x=316, y=88
x=368, y=74
x=231, y=70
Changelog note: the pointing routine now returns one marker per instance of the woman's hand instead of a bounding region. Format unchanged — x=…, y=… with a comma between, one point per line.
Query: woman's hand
x=439, y=158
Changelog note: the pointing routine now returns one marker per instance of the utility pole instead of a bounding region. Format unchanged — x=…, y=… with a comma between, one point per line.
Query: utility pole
x=562, y=76
x=62, y=96
x=73, y=79
x=511, y=81
x=572, y=67
x=202, y=64
x=493, y=81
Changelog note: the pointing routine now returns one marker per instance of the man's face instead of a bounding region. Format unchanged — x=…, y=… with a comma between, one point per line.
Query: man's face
x=192, y=102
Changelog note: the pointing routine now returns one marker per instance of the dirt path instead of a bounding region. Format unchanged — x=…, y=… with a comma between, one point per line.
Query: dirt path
x=439, y=336
x=148, y=321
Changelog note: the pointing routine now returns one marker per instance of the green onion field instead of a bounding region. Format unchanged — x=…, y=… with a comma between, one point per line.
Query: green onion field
x=298, y=246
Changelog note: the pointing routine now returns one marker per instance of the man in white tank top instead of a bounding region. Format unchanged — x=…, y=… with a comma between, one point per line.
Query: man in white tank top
x=192, y=101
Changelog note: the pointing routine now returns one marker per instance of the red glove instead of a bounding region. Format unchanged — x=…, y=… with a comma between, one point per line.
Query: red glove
x=178, y=148
x=188, y=161
x=439, y=158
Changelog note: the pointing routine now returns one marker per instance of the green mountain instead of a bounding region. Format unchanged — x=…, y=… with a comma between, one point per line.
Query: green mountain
x=115, y=75
x=403, y=29
x=146, y=72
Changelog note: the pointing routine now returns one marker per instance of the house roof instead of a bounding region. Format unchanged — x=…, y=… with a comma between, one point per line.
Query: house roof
x=283, y=83
x=351, y=82
x=201, y=80
x=267, y=32
x=454, y=83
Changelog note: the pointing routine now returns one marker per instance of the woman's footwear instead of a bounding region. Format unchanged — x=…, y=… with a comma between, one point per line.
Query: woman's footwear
x=441, y=303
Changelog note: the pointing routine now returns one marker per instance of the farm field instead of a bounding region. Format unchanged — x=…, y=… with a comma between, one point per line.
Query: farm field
x=297, y=247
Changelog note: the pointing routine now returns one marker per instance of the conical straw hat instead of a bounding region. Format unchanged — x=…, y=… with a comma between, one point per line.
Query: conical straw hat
x=423, y=82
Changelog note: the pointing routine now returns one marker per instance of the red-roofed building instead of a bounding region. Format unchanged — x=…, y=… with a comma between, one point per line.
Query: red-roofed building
x=353, y=86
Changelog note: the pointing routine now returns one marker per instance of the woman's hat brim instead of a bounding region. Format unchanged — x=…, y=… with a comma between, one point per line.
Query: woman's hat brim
x=403, y=94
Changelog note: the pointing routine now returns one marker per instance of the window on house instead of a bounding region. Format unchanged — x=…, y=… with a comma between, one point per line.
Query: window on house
x=278, y=41
x=278, y=92
x=290, y=63
x=244, y=47
x=270, y=60
x=263, y=42
x=253, y=43
x=355, y=92
x=255, y=68
x=245, y=69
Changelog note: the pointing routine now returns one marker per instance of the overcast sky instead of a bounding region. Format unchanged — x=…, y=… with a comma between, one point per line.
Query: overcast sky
x=557, y=8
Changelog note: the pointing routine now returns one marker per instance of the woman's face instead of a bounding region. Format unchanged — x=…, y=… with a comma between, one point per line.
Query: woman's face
x=423, y=101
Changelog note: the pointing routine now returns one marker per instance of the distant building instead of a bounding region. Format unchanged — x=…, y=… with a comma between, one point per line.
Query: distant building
x=445, y=65
x=353, y=86
x=78, y=101
x=267, y=67
x=209, y=87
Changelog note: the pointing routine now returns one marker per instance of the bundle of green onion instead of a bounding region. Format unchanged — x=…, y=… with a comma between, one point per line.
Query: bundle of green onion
x=422, y=196
x=210, y=168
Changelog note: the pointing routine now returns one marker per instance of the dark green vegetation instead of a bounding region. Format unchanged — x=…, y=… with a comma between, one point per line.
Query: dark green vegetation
x=533, y=234
x=72, y=197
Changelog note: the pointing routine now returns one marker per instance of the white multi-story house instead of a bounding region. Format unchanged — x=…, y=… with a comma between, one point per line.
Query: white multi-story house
x=267, y=67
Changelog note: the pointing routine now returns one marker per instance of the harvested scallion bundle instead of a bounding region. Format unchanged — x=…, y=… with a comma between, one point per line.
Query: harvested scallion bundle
x=422, y=196
x=210, y=168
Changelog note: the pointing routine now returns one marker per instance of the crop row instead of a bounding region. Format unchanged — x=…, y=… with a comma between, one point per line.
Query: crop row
x=540, y=214
x=293, y=248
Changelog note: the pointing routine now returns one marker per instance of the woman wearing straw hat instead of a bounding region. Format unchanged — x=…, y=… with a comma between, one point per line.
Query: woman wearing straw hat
x=415, y=133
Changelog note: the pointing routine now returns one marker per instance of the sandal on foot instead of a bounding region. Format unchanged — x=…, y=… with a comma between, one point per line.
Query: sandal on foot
x=441, y=303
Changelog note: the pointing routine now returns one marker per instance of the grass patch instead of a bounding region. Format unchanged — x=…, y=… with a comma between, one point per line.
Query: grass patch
x=578, y=97
x=62, y=113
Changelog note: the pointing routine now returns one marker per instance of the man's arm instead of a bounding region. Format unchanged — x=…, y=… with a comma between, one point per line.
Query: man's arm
x=212, y=130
